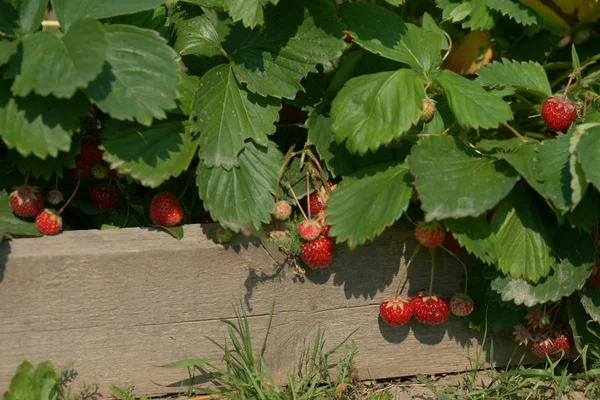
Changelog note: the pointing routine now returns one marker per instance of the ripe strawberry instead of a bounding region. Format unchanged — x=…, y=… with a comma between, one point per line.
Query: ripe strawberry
x=318, y=199
x=542, y=347
x=165, y=210
x=49, y=222
x=283, y=210
x=594, y=278
x=428, y=110
x=100, y=170
x=309, y=229
x=461, y=305
x=224, y=235
x=558, y=113
x=538, y=321
x=82, y=168
x=430, y=234
x=396, y=310
x=347, y=37
x=26, y=201
x=104, y=196
x=431, y=310
x=561, y=347
x=55, y=197
x=90, y=152
x=317, y=253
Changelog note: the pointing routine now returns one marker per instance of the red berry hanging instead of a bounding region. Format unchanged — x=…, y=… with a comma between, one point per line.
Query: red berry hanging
x=104, y=196
x=317, y=253
x=165, y=210
x=396, y=310
x=49, y=222
x=430, y=234
x=26, y=201
x=558, y=113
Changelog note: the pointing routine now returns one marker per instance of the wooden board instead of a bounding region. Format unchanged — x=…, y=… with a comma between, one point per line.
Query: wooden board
x=120, y=303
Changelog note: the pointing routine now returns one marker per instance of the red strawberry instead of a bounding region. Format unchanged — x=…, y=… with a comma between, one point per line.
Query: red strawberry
x=431, y=310
x=461, y=305
x=82, y=168
x=318, y=198
x=317, y=253
x=165, y=210
x=594, y=278
x=49, y=222
x=309, y=229
x=26, y=201
x=428, y=110
x=104, y=196
x=55, y=197
x=542, y=347
x=558, y=113
x=430, y=234
x=561, y=346
x=283, y=210
x=90, y=152
x=396, y=310
x=347, y=37
x=100, y=170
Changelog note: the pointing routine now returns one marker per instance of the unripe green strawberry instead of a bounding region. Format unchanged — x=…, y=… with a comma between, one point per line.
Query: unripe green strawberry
x=55, y=197
x=428, y=110
x=224, y=235
x=100, y=170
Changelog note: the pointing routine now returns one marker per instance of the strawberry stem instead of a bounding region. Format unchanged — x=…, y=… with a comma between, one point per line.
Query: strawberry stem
x=321, y=173
x=26, y=178
x=307, y=193
x=185, y=188
x=72, y=195
x=405, y=272
x=571, y=77
x=516, y=132
x=463, y=265
x=288, y=157
x=432, y=251
x=56, y=184
x=296, y=198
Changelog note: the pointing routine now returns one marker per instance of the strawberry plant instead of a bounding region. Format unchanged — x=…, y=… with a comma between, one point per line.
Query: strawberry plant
x=478, y=119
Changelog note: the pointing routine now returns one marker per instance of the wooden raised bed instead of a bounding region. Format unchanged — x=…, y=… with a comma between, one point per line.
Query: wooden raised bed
x=120, y=303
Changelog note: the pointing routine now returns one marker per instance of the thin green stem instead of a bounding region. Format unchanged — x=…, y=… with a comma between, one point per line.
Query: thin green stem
x=72, y=195
x=26, y=180
x=296, y=199
x=56, y=184
x=463, y=265
x=185, y=188
x=409, y=219
x=432, y=251
x=566, y=74
x=321, y=173
x=307, y=193
x=405, y=272
x=288, y=157
x=222, y=50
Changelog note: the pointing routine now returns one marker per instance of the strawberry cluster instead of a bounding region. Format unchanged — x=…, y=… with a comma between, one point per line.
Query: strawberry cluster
x=543, y=337
x=317, y=248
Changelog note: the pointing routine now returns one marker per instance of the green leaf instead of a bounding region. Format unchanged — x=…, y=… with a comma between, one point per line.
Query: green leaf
x=524, y=238
x=149, y=154
x=476, y=236
x=186, y=89
x=69, y=11
x=471, y=104
x=391, y=37
x=372, y=110
x=518, y=12
x=528, y=76
x=7, y=50
x=60, y=67
x=376, y=196
x=430, y=25
x=575, y=57
x=189, y=362
x=588, y=150
x=250, y=12
x=295, y=40
x=242, y=197
x=479, y=16
x=14, y=226
x=227, y=115
x=45, y=168
x=576, y=261
x=522, y=159
x=196, y=35
x=39, y=125
x=136, y=58
x=34, y=384
x=175, y=231
x=586, y=212
x=454, y=182
x=590, y=300
x=561, y=176
x=20, y=17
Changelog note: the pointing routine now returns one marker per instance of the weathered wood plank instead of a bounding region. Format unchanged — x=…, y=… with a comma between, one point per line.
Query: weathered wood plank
x=120, y=303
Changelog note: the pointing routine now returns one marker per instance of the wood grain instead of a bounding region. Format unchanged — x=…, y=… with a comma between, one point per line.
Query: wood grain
x=120, y=303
